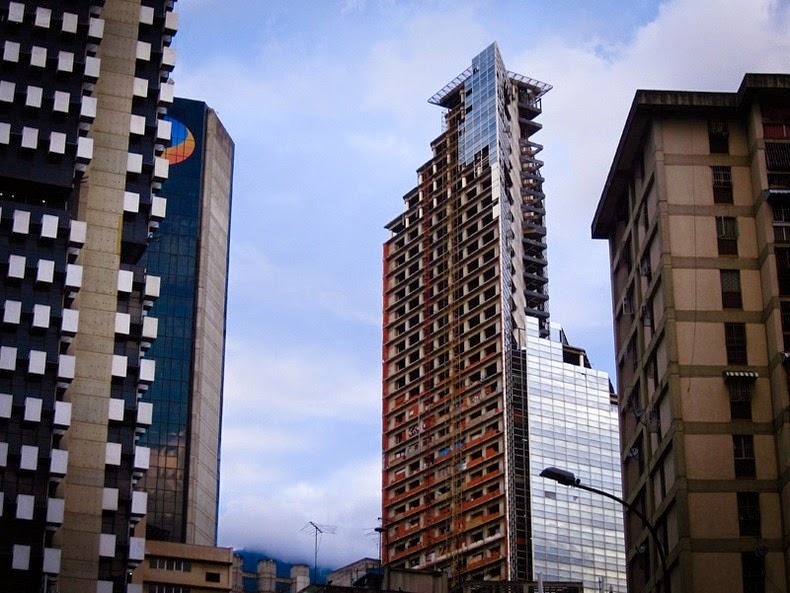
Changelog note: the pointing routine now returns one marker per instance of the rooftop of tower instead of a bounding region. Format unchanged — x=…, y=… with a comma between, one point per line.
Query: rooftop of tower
x=535, y=86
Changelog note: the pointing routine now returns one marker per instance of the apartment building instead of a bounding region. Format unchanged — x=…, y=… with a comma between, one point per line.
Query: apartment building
x=696, y=209
x=480, y=390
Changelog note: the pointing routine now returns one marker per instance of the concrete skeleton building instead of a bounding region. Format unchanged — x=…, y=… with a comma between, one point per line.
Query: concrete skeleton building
x=696, y=209
x=84, y=90
x=480, y=391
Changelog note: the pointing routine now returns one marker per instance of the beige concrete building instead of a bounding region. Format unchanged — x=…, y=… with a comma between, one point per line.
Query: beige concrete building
x=696, y=209
x=185, y=568
x=347, y=575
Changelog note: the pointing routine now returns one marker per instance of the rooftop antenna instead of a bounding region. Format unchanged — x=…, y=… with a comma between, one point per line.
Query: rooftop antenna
x=317, y=529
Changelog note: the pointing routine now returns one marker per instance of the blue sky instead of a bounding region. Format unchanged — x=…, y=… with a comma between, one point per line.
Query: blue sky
x=327, y=103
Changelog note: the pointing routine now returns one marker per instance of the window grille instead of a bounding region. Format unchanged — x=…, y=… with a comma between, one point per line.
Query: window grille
x=735, y=343
x=743, y=453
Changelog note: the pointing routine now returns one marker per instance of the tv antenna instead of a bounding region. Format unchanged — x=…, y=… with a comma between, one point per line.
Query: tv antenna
x=317, y=530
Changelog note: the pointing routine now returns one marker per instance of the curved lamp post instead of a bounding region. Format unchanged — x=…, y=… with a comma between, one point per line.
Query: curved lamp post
x=567, y=478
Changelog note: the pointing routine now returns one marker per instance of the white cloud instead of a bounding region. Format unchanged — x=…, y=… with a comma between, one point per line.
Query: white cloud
x=254, y=278
x=272, y=520
x=400, y=72
x=699, y=45
x=311, y=383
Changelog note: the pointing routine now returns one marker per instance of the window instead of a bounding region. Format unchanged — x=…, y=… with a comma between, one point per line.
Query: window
x=162, y=588
x=783, y=270
x=753, y=571
x=749, y=513
x=727, y=235
x=731, y=289
x=785, y=308
x=743, y=452
x=781, y=212
x=718, y=137
x=647, y=316
x=645, y=269
x=163, y=563
x=722, y=185
x=740, y=397
x=735, y=343
x=212, y=577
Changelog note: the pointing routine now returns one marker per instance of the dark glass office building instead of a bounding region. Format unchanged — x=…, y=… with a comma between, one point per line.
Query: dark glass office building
x=189, y=251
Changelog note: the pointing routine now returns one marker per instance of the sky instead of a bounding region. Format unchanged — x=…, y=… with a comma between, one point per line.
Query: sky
x=326, y=101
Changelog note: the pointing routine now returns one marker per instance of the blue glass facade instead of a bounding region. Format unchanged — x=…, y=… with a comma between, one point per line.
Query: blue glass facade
x=173, y=255
x=577, y=535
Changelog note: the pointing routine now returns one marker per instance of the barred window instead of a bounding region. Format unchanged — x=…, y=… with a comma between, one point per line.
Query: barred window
x=777, y=156
x=740, y=390
x=731, y=289
x=722, y=185
x=735, y=343
x=781, y=211
x=743, y=453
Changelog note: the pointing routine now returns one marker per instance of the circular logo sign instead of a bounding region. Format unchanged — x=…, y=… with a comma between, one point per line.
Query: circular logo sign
x=182, y=142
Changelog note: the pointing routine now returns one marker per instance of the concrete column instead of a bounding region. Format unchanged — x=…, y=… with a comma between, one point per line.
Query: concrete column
x=267, y=576
x=300, y=577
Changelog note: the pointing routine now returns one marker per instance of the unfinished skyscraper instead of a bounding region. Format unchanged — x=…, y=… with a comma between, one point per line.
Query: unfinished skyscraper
x=477, y=398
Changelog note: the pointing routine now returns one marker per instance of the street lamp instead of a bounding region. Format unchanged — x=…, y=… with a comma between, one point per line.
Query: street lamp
x=567, y=478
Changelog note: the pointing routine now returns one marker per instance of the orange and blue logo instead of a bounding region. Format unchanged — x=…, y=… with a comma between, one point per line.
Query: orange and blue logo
x=182, y=142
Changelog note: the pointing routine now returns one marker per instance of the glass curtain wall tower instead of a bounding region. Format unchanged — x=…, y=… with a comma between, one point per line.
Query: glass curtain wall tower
x=470, y=373
x=189, y=250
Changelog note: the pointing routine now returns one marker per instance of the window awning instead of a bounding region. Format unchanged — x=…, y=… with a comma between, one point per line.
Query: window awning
x=740, y=375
